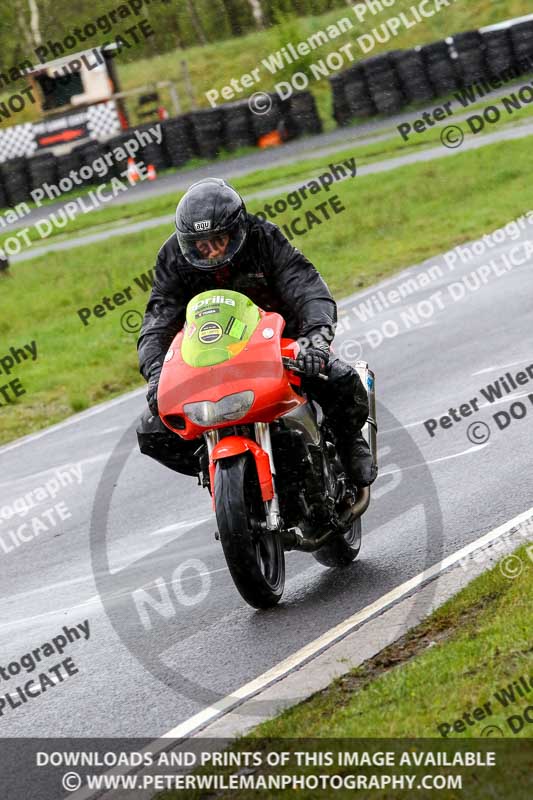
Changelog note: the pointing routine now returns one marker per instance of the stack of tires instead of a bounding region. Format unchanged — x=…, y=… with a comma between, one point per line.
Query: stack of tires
x=178, y=140
x=151, y=152
x=383, y=84
x=66, y=163
x=238, y=127
x=357, y=95
x=340, y=110
x=268, y=117
x=15, y=180
x=3, y=197
x=411, y=71
x=109, y=146
x=303, y=115
x=440, y=67
x=208, y=127
x=42, y=168
x=499, y=55
x=470, y=57
x=87, y=154
x=522, y=41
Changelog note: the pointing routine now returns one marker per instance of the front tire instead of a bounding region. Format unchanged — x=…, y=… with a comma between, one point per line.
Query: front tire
x=341, y=550
x=255, y=560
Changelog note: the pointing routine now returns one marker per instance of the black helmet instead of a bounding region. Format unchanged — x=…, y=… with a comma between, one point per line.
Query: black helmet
x=210, y=210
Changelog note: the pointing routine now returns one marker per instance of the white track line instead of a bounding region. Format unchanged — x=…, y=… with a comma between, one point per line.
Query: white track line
x=332, y=636
x=209, y=714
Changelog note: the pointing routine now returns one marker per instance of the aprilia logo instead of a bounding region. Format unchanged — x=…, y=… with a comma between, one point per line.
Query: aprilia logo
x=203, y=225
x=218, y=299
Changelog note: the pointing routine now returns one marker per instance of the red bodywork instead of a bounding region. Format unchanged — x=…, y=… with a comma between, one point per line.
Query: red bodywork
x=258, y=368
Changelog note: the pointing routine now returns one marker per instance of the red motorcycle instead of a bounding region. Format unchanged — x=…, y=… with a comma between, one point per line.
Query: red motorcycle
x=269, y=458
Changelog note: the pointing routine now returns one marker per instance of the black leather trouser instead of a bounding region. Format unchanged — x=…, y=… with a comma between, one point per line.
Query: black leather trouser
x=342, y=398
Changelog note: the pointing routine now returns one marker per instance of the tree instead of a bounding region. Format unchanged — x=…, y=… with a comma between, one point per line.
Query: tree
x=196, y=23
x=257, y=13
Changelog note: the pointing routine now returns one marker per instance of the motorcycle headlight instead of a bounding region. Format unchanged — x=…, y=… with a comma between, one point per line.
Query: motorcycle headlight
x=231, y=407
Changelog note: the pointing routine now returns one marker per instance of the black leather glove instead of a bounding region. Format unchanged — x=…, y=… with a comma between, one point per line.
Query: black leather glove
x=313, y=359
x=153, y=383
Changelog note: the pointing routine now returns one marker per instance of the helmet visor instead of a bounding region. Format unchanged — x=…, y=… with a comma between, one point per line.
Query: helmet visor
x=213, y=250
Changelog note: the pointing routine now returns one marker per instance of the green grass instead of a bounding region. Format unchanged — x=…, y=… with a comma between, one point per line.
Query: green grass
x=451, y=664
x=443, y=203
x=472, y=646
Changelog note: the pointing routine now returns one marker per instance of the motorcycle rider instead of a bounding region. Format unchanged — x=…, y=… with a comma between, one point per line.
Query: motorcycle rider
x=218, y=245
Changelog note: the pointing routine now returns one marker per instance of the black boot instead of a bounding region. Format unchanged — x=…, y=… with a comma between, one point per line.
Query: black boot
x=357, y=460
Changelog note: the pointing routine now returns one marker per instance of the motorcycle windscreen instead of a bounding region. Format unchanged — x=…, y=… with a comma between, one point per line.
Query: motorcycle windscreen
x=219, y=324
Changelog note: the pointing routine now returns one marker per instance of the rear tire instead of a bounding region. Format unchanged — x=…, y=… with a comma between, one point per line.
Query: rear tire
x=341, y=550
x=256, y=561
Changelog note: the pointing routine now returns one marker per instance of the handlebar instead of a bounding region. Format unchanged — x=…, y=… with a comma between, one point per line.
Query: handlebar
x=292, y=364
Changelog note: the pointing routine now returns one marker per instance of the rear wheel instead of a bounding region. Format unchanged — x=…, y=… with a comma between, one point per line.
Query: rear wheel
x=341, y=550
x=255, y=559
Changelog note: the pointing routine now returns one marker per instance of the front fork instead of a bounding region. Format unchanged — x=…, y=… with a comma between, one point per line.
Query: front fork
x=262, y=437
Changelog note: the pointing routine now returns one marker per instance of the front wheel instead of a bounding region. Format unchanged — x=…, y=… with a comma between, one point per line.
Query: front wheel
x=341, y=550
x=255, y=560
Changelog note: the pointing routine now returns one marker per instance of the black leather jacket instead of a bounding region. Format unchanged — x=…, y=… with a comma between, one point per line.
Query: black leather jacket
x=268, y=270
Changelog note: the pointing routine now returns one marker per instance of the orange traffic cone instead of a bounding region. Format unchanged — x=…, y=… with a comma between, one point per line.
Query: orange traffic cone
x=152, y=174
x=133, y=172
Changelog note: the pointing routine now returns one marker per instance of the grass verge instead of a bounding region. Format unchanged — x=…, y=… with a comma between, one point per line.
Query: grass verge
x=469, y=654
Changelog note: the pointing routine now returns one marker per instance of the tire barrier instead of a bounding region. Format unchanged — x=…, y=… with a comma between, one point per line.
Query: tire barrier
x=303, y=117
x=201, y=133
x=178, y=140
x=411, y=72
x=383, y=84
x=152, y=152
x=208, y=127
x=15, y=180
x=499, y=55
x=66, y=163
x=87, y=153
x=238, y=126
x=522, y=40
x=440, y=68
x=340, y=111
x=387, y=83
x=42, y=168
x=263, y=123
x=470, y=54
x=357, y=94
